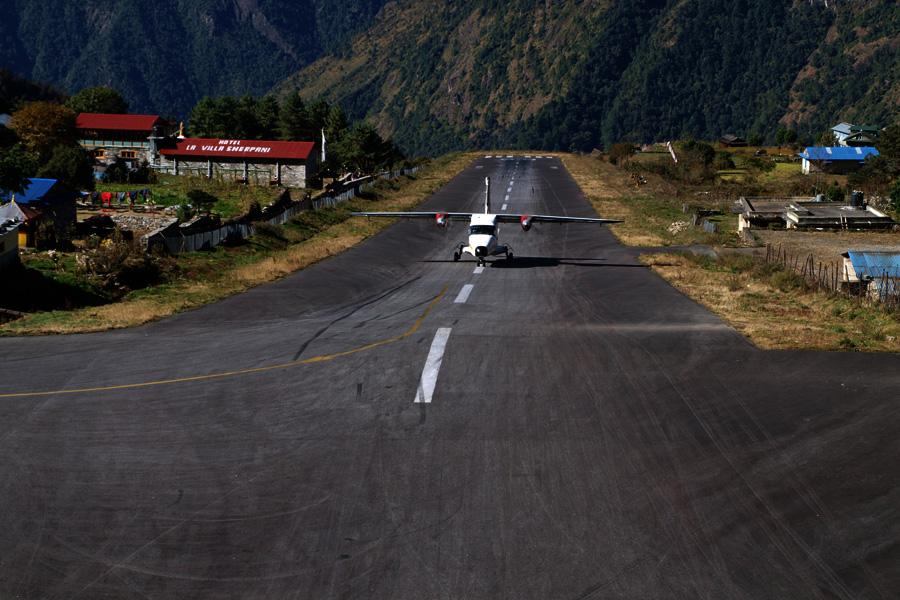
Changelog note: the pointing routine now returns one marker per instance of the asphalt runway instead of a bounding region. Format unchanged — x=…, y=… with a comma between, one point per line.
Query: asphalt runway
x=591, y=433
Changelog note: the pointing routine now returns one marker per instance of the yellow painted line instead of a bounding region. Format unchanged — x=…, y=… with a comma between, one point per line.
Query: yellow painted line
x=306, y=361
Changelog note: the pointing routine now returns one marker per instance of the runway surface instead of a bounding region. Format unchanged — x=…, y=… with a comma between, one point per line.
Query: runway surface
x=391, y=424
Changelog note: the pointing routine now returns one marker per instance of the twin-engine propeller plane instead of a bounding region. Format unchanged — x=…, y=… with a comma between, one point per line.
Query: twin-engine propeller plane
x=484, y=234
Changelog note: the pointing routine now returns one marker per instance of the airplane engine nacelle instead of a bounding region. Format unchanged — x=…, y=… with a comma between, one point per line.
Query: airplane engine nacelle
x=440, y=220
x=525, y=221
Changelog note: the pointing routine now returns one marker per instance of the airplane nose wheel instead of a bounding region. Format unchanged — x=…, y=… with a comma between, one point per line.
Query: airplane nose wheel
x=456, y=257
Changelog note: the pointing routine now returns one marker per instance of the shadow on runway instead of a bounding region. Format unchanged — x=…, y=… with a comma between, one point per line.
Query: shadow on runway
x=532, y=262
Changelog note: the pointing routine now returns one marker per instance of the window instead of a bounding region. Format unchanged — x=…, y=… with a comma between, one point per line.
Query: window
x=99, y=153
x=481, y=230
x=128, y=154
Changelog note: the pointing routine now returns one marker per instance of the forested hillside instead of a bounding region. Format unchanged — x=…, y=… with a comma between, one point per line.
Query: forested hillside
x=436, y=76
x=165, y=55
x=581, y=74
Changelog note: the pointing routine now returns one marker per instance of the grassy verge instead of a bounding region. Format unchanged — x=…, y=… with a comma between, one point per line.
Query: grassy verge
x=774, y=307
x=649, y=210
x=273, y=253
x=233, y=199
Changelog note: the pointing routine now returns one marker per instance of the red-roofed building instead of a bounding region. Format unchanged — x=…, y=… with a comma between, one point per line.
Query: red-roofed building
x=130, y=137
x=290, y=164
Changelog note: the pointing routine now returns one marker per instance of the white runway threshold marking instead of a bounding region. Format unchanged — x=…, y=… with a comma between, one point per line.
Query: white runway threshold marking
x=464, y=294
x=432, y=366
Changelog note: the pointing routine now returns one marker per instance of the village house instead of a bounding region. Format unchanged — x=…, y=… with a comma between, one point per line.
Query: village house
x=730, y=140
x=809, y=213
x=849, y=135
x=10, y=218
x=133, y=138
x=46, y=210
x=873, y=273
x=837, y=159
x=289, y=164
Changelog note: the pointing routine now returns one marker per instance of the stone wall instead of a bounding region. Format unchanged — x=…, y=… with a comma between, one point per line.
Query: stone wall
x=292, y=174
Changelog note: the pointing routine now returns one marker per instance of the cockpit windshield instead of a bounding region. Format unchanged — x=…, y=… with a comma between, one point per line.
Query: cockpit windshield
x=481, y=230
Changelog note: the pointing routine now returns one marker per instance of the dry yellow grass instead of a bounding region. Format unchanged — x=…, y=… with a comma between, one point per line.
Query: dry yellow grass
x=192, y=294
x=608, y=188
x=776, y=319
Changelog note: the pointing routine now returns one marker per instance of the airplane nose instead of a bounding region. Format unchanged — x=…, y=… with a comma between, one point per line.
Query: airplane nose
x=481, y=251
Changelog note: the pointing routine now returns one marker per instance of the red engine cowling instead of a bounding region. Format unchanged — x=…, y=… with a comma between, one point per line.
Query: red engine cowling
x=440, y=219
x=525, y=221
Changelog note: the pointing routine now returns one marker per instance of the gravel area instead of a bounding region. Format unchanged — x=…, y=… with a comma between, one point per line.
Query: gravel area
x=827, y=246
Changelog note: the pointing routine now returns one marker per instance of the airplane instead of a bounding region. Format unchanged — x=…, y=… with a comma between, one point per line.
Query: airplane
x=484, y=232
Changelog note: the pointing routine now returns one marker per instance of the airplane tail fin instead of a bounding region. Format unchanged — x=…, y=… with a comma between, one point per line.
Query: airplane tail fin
x=487, y=195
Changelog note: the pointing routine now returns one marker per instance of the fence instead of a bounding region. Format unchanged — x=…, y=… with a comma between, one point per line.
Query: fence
x=176, y=241
x=833, y=277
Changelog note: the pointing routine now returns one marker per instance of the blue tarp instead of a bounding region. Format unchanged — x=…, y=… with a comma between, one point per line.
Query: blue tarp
x=838, y=153
x=35, y=190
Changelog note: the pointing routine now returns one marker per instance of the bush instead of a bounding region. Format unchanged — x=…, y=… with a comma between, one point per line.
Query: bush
x=121, y=265
x=202, y=201
x=895, y=196
x=723, y=161
x=620, y=152
x=835, y=193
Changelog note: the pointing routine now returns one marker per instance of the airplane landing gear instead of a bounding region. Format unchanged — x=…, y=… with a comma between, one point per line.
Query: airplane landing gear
x=481, y=262
x=455, y=256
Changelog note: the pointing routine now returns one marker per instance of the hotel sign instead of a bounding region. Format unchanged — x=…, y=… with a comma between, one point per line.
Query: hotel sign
x=229, y=146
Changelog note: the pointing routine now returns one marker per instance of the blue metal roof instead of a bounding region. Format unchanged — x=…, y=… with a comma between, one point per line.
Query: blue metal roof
x=838, y=153
x=35, y=190
x=875, y=264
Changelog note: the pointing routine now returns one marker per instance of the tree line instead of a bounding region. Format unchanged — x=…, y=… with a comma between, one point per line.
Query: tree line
x=350, y=147
x=40, y=139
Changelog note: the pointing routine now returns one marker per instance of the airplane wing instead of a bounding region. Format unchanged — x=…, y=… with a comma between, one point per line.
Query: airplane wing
x=449, y=216
x=520, y=218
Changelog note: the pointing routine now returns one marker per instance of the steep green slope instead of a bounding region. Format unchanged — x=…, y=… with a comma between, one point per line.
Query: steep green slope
x=580, y=74
x=166, y=54
x=855, y=71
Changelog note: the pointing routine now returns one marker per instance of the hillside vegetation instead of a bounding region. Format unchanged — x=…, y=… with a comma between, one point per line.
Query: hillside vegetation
x=167, y=54
x=439, y=76
x=574, y=75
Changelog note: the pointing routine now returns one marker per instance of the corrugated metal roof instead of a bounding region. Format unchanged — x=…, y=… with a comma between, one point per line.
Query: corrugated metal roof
x=842, y=128
x=875, y=264
x=215, y=148
x=838, y=153
x=35, y=190
x=116, y=122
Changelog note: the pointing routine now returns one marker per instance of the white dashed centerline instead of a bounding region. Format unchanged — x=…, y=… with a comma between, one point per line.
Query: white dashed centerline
x=425, y=392
x=503, y=207
x=464, y=294
x=478, y=270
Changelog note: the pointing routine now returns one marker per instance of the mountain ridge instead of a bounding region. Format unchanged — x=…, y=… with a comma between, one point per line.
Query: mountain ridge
x=575, y=75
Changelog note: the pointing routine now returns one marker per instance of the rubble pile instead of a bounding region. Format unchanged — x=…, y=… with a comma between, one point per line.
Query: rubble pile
x=141, y=223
